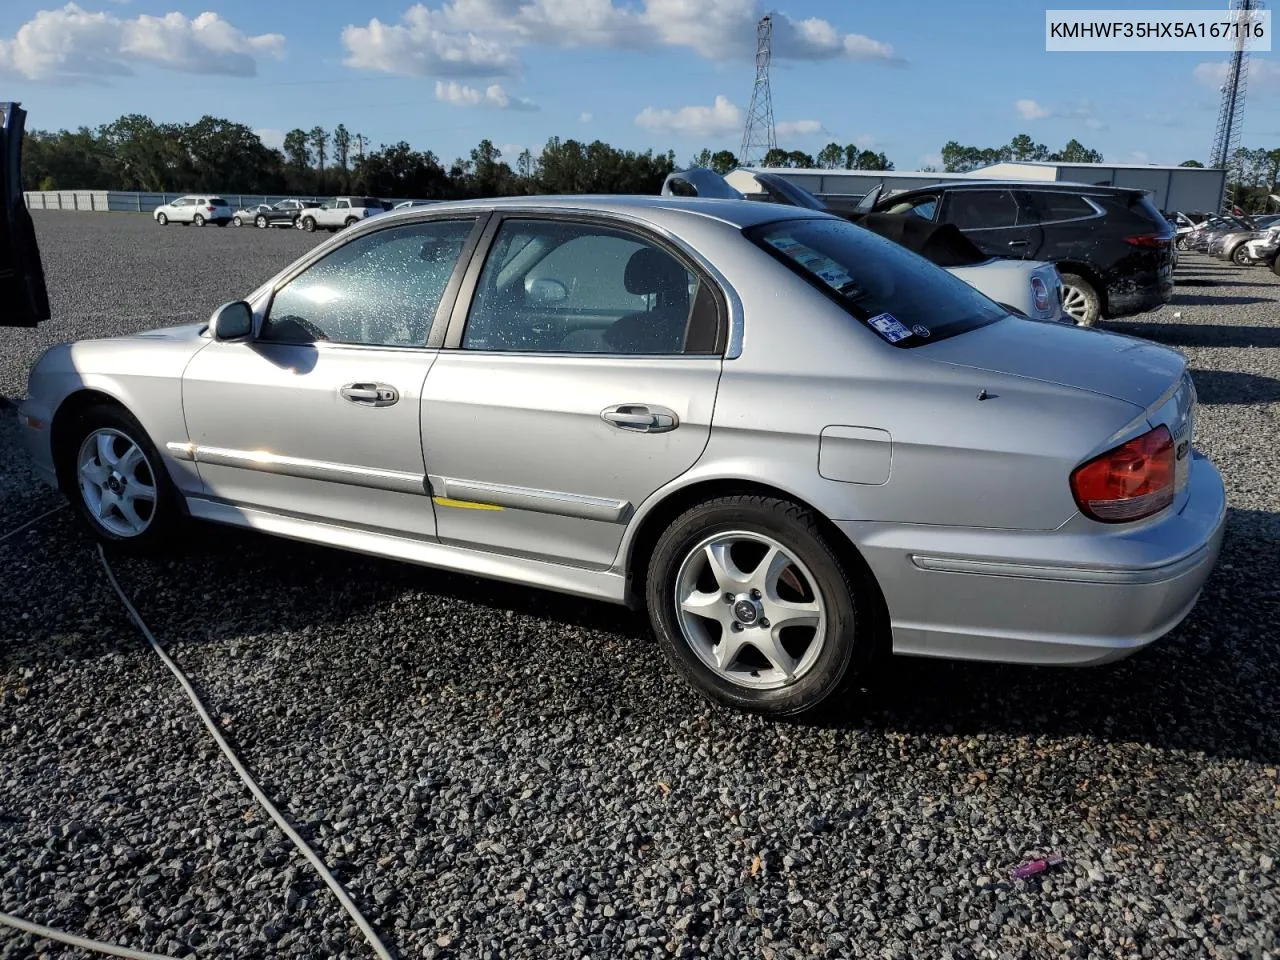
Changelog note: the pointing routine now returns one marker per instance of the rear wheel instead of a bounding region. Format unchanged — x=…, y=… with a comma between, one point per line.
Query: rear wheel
x=117, y=482
x=162, y=219
x=351, y=220
x=261, y=222
x=198, y=220
x=1181, y=244
x=1080, y=301
x=309, y=224
x=754, y=607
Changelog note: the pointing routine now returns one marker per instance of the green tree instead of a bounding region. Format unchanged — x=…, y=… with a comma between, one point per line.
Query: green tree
x=869, y=160
x=722, y=161
x=1022, y=147
x=831, y=156
x=1076, y=152
x=1191, y=163
x=775, y=157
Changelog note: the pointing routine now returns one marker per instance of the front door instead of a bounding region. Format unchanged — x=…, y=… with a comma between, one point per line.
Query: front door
x=318, y=415
x=24, y=301
x=994, y=220
x=579, y=379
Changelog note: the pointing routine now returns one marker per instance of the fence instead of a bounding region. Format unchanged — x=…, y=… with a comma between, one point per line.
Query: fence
x=128, y=202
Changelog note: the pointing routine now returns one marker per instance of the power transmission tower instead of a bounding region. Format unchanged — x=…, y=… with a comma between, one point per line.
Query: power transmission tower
x=1231, y=113
x=759, y=137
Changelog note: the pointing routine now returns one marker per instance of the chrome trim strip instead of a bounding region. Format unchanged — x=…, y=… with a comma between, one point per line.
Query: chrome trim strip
x=538, y=501
x=393, y=480
x=1027, y=571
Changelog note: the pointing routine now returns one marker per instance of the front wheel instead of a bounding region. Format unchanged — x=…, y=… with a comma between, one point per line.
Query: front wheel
x=1181, y=244
x=162, y=219
x=754, y=607
x=1080, y=301
x=198, y=220
x=1240, y=256
x=117, y=482
x=309, y=224
x=261, y=222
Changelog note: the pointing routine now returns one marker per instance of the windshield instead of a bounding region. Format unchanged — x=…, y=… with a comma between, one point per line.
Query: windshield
x=900, y=295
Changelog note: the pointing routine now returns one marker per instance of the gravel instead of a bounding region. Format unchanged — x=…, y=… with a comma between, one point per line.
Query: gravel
x=497, y=772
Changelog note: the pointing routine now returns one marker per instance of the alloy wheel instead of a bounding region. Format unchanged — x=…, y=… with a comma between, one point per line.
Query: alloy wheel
x=750, y=610
x=117, y=482
x=1075, y=304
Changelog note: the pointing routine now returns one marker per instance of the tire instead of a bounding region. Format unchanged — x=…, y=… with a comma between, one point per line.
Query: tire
x=812, y=663
x=1181, y=244
x=309, y=224
x=1080, y=300
x=1275, y=266
x=261, y=222
x=139, y=516
x=197, y=220
x=237, y=221
x=162, y=219
x=350, y=221
x=1240, y=256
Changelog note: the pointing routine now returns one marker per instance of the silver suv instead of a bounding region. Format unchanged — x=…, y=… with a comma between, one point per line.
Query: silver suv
x=339, y=212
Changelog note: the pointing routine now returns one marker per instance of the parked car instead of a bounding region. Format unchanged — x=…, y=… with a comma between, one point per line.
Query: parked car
x=1027, y=287
x=282, y=213
x=248, y=214
x=1111, y=245
x=1213, y=228
x=194, y=209
x=339, y=212
x=790, y=439
x=1262, y=250
x=1230, y=244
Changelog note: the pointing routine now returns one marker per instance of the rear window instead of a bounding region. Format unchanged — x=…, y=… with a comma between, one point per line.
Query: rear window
x=1144, y=206
x=900, y=295
x=217, y=201
x=367, y=202
x=1063, y=206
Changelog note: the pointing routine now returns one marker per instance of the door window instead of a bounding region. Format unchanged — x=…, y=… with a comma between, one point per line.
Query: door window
x=344, y=204
x=923, y=207
x=554, y=287
x=383, y=288
x=982, y=209
x=1055, y=207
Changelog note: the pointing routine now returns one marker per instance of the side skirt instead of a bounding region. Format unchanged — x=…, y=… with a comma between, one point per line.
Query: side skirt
x=595, y=584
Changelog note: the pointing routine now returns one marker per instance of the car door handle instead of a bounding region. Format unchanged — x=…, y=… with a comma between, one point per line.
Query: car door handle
x=640, y=418
x=370, y=394
x=1018, y=243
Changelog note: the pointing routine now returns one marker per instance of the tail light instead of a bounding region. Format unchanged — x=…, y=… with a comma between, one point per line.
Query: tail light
x=1129, y=482
x=210, y=208
x=1040, y=294
x=1148, y=240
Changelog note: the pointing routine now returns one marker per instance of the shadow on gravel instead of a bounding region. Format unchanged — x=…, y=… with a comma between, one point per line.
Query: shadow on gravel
x=1214, y=283
x=1199, y=334
x=1229, y=387
x=1191, y=300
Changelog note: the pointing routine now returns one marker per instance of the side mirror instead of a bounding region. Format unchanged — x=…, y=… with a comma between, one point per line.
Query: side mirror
x=545, y=290
x=232, y=321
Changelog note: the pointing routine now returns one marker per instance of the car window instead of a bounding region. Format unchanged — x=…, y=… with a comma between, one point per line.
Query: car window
x=923, y=207
x=382, y=288
x=902, y=296
x=1053, y=207
x=217, y=201
x=554, y=287
x=981, y=209
x=344, y=204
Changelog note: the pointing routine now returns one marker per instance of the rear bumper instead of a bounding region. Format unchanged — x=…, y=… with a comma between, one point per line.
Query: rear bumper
x=1128, y=297
x=1045, y=598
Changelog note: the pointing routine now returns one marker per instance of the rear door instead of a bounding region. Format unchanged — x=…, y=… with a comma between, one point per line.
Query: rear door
x=994, y=220
x=579, y=376
x=24, y=301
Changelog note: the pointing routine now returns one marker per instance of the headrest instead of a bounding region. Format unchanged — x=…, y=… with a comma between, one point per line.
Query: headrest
x=651, y=271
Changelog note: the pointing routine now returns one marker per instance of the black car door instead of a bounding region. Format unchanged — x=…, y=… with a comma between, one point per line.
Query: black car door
x=24, y=301
x=994, y=220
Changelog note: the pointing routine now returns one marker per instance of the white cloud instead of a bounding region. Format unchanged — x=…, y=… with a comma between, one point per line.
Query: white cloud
x=480, y=37
x=511, y=151
x=73, y=44
x=1138, y=156
x=797, y=128
x=721, y=118
x=270, y=137
x=585, y=117
x=1030, y=110
x=460, y=95
x=932, y=160
x=1262, y=72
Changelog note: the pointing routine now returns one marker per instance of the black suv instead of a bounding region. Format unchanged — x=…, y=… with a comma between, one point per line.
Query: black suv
x=1112, y=246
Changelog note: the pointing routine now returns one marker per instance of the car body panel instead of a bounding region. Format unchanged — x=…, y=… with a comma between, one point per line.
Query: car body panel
x=945, y=465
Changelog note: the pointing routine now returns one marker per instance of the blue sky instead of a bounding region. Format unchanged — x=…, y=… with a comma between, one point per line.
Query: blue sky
x=902, y=78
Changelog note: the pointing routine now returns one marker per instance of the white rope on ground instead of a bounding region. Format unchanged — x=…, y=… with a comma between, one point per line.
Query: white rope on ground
x=22, y=526
x=84, y=943
x=303, y=847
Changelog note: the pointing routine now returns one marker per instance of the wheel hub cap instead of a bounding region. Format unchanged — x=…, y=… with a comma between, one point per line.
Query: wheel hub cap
x=747, y=611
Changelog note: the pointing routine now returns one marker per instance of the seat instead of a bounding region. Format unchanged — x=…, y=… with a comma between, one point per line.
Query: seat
x=661, y=329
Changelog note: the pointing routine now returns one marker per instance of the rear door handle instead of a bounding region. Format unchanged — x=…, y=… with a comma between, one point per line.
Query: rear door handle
x=1018, y=243
x=371, y=394
x=640, y=418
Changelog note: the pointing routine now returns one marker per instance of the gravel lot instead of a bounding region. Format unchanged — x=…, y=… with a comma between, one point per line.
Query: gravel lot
x=498, y=772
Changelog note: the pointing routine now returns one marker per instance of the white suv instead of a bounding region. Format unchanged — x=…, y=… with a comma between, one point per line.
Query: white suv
x=339, y=212
x=197, y=209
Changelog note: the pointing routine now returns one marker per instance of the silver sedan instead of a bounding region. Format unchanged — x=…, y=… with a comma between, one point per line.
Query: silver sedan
x=794, y=442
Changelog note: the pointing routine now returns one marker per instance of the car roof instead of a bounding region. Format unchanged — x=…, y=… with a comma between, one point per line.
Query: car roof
x=655, y=209
x=975, y=184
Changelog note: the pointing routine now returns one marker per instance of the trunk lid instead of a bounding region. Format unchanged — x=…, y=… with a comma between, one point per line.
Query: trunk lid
x=1109, y=364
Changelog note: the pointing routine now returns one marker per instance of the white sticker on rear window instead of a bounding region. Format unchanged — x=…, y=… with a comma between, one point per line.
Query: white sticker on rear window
x=888, y=327
x=818, y=264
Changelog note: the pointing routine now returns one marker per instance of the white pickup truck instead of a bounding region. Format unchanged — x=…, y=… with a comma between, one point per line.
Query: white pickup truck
x=338, y=213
